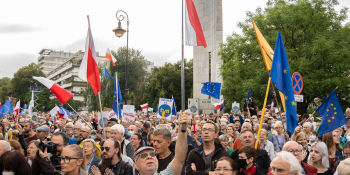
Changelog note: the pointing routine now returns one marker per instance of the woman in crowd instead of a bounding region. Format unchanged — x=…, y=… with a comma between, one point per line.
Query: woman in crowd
x=15, y=145
x=136, y=141
x=266, y=144
x=13, y=162
x=279, y=139
x=301, y=139
x=231, y=134
x=224, y=143
x=89, y=148
x=334, y=150
x=72, y=162
x=32, y=149
x=307, y=128
x=319, y=158
x=225, y=166
x=246, y=161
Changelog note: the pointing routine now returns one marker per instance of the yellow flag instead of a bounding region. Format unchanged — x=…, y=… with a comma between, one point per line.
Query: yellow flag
x=267, y=54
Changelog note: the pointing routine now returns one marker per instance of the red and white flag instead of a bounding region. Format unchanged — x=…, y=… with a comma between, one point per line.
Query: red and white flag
x=144, y=106
x=110, y=56
x=218, y=105
x=62, y=95
x=89, y=68
x=17, y=109
x=54, y=111
x=193, y=28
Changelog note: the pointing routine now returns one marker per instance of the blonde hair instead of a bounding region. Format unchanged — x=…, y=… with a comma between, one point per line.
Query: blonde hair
x=343, y=167
x=78, y=152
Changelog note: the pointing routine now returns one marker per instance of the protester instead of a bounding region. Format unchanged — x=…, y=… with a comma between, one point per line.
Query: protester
x=72, y=162
x=343, y=168
x=319, y=158
x=117, y=133
x=224, y=143
x=4, y=147
x=136, y=141
x=334, y=150
x=285, y=163
x=161, y=143
x=279, y=139
x=13, y=162
x=246, y=161
x=89, y=148
x=265, y=144
x=225, y=166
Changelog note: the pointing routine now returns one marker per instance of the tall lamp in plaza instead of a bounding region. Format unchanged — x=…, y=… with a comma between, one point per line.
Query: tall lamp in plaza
x=119, y=32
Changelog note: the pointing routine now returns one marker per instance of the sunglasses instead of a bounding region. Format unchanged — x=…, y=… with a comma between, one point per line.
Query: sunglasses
x=144, y=155
x=105, y=148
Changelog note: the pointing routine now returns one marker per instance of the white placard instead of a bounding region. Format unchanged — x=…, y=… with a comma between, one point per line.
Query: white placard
x=235, y=107
x=164, y=108
x=129, y=112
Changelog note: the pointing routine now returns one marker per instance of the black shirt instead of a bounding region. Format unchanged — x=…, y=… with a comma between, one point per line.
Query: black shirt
x=163, y=163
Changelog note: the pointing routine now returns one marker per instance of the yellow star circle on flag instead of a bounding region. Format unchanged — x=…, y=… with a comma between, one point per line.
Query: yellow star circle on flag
x=331, y=104
x=284, y=71
x=335, y=113
x=327, y=110
x=293, y=103
x=329, y=121
x=334, y=108
x=333, y=117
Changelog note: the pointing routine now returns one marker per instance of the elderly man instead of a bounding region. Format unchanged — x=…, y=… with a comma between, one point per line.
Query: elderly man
x=285, y=163
x=85, y=132
x=42, y=132
x=117, y=133
x=76, y=130
x=4, y=147
x=245, y=127
x=133, y=129
x=146, y=162
x=297, y=150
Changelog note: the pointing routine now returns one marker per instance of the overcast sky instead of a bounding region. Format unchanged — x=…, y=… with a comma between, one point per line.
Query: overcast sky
x=155, y=27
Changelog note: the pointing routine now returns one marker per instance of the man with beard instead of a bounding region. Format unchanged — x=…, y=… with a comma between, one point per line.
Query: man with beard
x=112, y=161
x=29, y=132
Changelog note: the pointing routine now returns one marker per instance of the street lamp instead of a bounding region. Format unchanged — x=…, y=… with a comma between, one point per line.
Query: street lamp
x=119, y=32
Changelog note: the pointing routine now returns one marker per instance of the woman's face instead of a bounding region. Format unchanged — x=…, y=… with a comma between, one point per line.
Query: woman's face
x=223, y=167
x=70, y=162
x=336, y=136
x=315, y=155
x=134, y=140
x=31, y=151
x=88, y=148
x=302, y=141
x=224, y=143
x=307, y=128
x=230, y=130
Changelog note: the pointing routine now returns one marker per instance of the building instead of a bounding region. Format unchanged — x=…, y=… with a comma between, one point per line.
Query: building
x=66, y=74
x=50, y=59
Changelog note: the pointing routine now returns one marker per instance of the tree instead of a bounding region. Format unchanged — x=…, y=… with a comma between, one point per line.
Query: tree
x=165, y=82
x=316, y=42
x=4, y=86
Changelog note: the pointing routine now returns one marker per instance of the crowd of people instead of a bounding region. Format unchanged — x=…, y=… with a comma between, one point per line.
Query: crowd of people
x=206, y=144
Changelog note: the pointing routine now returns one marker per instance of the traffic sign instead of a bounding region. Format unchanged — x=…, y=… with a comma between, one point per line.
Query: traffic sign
x=297, y=82
x=298, y=98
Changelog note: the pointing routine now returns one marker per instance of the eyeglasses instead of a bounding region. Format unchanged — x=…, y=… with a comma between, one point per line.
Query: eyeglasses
x=208, y=130
x=295, y=151
x=67, y=159
x=336, y=136
x=278, y=170
x=223, y=169
x=144, y=155
x=105, y=148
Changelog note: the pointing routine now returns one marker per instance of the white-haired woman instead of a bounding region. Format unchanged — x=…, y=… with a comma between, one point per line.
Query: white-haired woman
x=319, y=158
x=285, y=163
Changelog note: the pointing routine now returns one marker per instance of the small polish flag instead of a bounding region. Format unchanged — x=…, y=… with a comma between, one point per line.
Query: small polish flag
x=110, y=56
x=218, y=105
x=144, y=106
x=62, y=95
x=54, y=111
x=17, y=109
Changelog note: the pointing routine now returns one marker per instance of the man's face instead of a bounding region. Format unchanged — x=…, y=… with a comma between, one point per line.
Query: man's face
x=133, y=128
x=108, y=132
x=295, y=149
x=346, y=152
x=160, y=144
x=283, y=116
x=108, y=149
x=76, y=131
x=27, y=127
x=58, y=140
x=41, y=135
x=68, y=128
x=85, y=132
x=280, y=167
x=237, y=125
x=246, y=126
x=208, y=132
x=223, y=126
x=145, y=163
x=247, y=139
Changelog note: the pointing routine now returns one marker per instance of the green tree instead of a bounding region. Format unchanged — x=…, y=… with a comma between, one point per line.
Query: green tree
x=165, y=82
x=317, y=46
x=4, y=86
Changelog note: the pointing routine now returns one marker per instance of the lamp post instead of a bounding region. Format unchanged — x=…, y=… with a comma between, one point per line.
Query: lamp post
x=119, y=32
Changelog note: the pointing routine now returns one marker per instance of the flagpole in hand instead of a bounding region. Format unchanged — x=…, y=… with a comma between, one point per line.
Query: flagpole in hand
x=82, y=118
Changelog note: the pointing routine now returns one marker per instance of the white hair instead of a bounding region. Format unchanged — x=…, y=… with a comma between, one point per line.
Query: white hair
x=295, y=167
x=308, y=124
x=6, y=145
x=323, y=150
x=119, y=128
x=247, y=123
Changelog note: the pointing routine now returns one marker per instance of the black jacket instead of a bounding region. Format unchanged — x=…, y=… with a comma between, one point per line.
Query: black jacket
x=196, y=157
x=262, y=161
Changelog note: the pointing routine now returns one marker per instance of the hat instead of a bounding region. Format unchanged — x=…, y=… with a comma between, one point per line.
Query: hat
x=113, y=120
x=43, y=128
x=142, y=149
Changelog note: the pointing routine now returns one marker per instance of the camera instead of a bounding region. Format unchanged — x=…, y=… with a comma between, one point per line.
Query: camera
x=51, y=147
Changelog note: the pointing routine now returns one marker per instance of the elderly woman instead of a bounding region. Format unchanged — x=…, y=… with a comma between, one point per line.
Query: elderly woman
x=266, y=144
x=285, y=163
x=32, y=148
x=319, y=158
x=307, y=127
x=225, y=166
x=89, y=148
x=224, y=143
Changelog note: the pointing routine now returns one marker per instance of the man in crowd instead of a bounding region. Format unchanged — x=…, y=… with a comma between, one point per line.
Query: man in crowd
x=161, y=143
x=4, y=147
x=285, y=163
x=61, y=140
x=117, y=133
x=85, y=132
x=29, y=132
x=42, y=132
x=76, y=130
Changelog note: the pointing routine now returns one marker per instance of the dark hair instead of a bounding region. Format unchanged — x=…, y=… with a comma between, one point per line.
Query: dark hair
x=14, y=161
x=63, y=135
x=140, y=138
x=346, y=145
x=117, y=145
x=249, y=151
x=164, y=132
x=146, y=125
x=216, y=127
x=231, y=161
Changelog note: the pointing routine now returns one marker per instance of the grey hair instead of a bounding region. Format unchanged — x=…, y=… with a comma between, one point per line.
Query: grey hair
x=308, y=124
x=78, y=152
x=6, y=145
x=294, y=163
x=89, y=141
x=223, y=137
x=323, y=150
x=119, y=128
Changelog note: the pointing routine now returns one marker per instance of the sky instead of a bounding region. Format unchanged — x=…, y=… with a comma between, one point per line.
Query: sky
x=26, y=27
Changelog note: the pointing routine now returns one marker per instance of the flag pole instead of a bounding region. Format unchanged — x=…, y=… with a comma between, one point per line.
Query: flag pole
x=183, y=127
x=263, y=112
x=103, y=123
x=82, y=118
x=117, y=92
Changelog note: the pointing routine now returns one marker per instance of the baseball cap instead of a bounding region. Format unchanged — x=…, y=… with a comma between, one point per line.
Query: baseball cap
x=43, y=128
x=142, y=149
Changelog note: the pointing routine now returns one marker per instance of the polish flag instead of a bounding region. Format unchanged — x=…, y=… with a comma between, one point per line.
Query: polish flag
x=110, y=56
x=62, y=95
x=218, y=105
x=193, y=28
x=144, y=106
x=17, y=109
x=89, y=68
x=54, y=111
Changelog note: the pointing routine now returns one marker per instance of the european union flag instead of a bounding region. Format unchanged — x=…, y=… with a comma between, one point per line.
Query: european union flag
x=108, y=75
x=173, y=110
x=212, y=89
x=222, y=106
x=280, y=76
x=117, y=98
x=6, y=109
x=249, y=93
x=332, y=114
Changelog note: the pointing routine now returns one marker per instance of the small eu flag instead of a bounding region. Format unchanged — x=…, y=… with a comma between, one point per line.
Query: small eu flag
x=117, y=97
x=212, y=89
x=280, y=76
x=173, y=110
x=6, y=109
x=248, y=96
x=332, y=114
x=108, y=75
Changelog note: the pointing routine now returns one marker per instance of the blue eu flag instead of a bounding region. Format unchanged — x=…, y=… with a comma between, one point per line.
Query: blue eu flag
x=6, y=109
x=249, y=93
x=108, y=75
x=117, y=98
x=280, y=76
x=173, y=110
x=212, y=89
x=332, y=114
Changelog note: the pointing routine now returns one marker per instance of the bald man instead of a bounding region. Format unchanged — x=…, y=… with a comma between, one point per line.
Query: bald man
x=297, y=150
x=4, y=147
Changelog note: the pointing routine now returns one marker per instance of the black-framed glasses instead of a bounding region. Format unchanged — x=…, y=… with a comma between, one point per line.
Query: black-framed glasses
x=144, y=155
x=105, y=148
x=67, y=159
